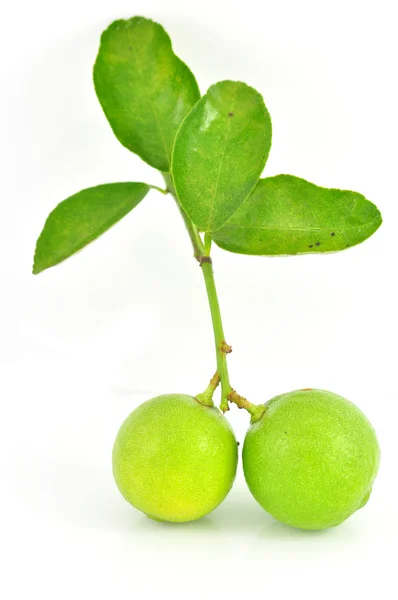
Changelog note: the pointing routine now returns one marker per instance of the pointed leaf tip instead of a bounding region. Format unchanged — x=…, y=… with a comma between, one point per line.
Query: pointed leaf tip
x=82, y=218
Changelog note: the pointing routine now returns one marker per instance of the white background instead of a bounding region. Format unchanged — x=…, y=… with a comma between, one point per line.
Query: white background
x=84, y=343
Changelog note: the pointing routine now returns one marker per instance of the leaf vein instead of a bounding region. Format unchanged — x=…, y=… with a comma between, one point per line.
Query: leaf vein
x=226, y=139
x=148, y=96
x=273, y=228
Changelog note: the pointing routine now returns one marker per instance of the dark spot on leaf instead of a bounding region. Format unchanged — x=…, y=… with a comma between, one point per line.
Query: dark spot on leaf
x=311, y=246
x=347, y=245
x=230, y=114
x=333, y=234
x=238, y=443
x=285, y=431
x=317, y=243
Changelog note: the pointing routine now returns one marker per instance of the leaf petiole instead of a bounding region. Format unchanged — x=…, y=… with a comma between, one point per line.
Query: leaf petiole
x=159, y=189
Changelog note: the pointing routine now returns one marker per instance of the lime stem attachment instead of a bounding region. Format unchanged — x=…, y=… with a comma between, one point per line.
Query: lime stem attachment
x=256, y=410
x=206, y=397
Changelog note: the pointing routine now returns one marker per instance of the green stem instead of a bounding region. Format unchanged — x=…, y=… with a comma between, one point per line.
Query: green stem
x=219, y=338
x=197, y=244
x=205, y=262
x=202, y=255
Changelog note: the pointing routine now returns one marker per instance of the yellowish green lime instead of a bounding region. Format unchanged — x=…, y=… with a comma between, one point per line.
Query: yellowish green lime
x=175, y=459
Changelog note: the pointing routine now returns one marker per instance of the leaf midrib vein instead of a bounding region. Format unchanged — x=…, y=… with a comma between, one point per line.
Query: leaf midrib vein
x=149, y=98
x=226, y=139
x=271, y=227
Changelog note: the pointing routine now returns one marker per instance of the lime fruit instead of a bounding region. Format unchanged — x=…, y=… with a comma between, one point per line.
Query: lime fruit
x=311, y=460
x=174, y=458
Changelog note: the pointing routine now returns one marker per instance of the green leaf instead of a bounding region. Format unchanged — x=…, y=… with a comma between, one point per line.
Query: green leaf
x=288, y=215
x=82, y=218
x=144, y=89
x=220, y=151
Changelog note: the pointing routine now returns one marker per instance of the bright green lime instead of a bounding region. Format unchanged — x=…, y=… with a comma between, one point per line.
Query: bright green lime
x=311, y=460
x=175, y=459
